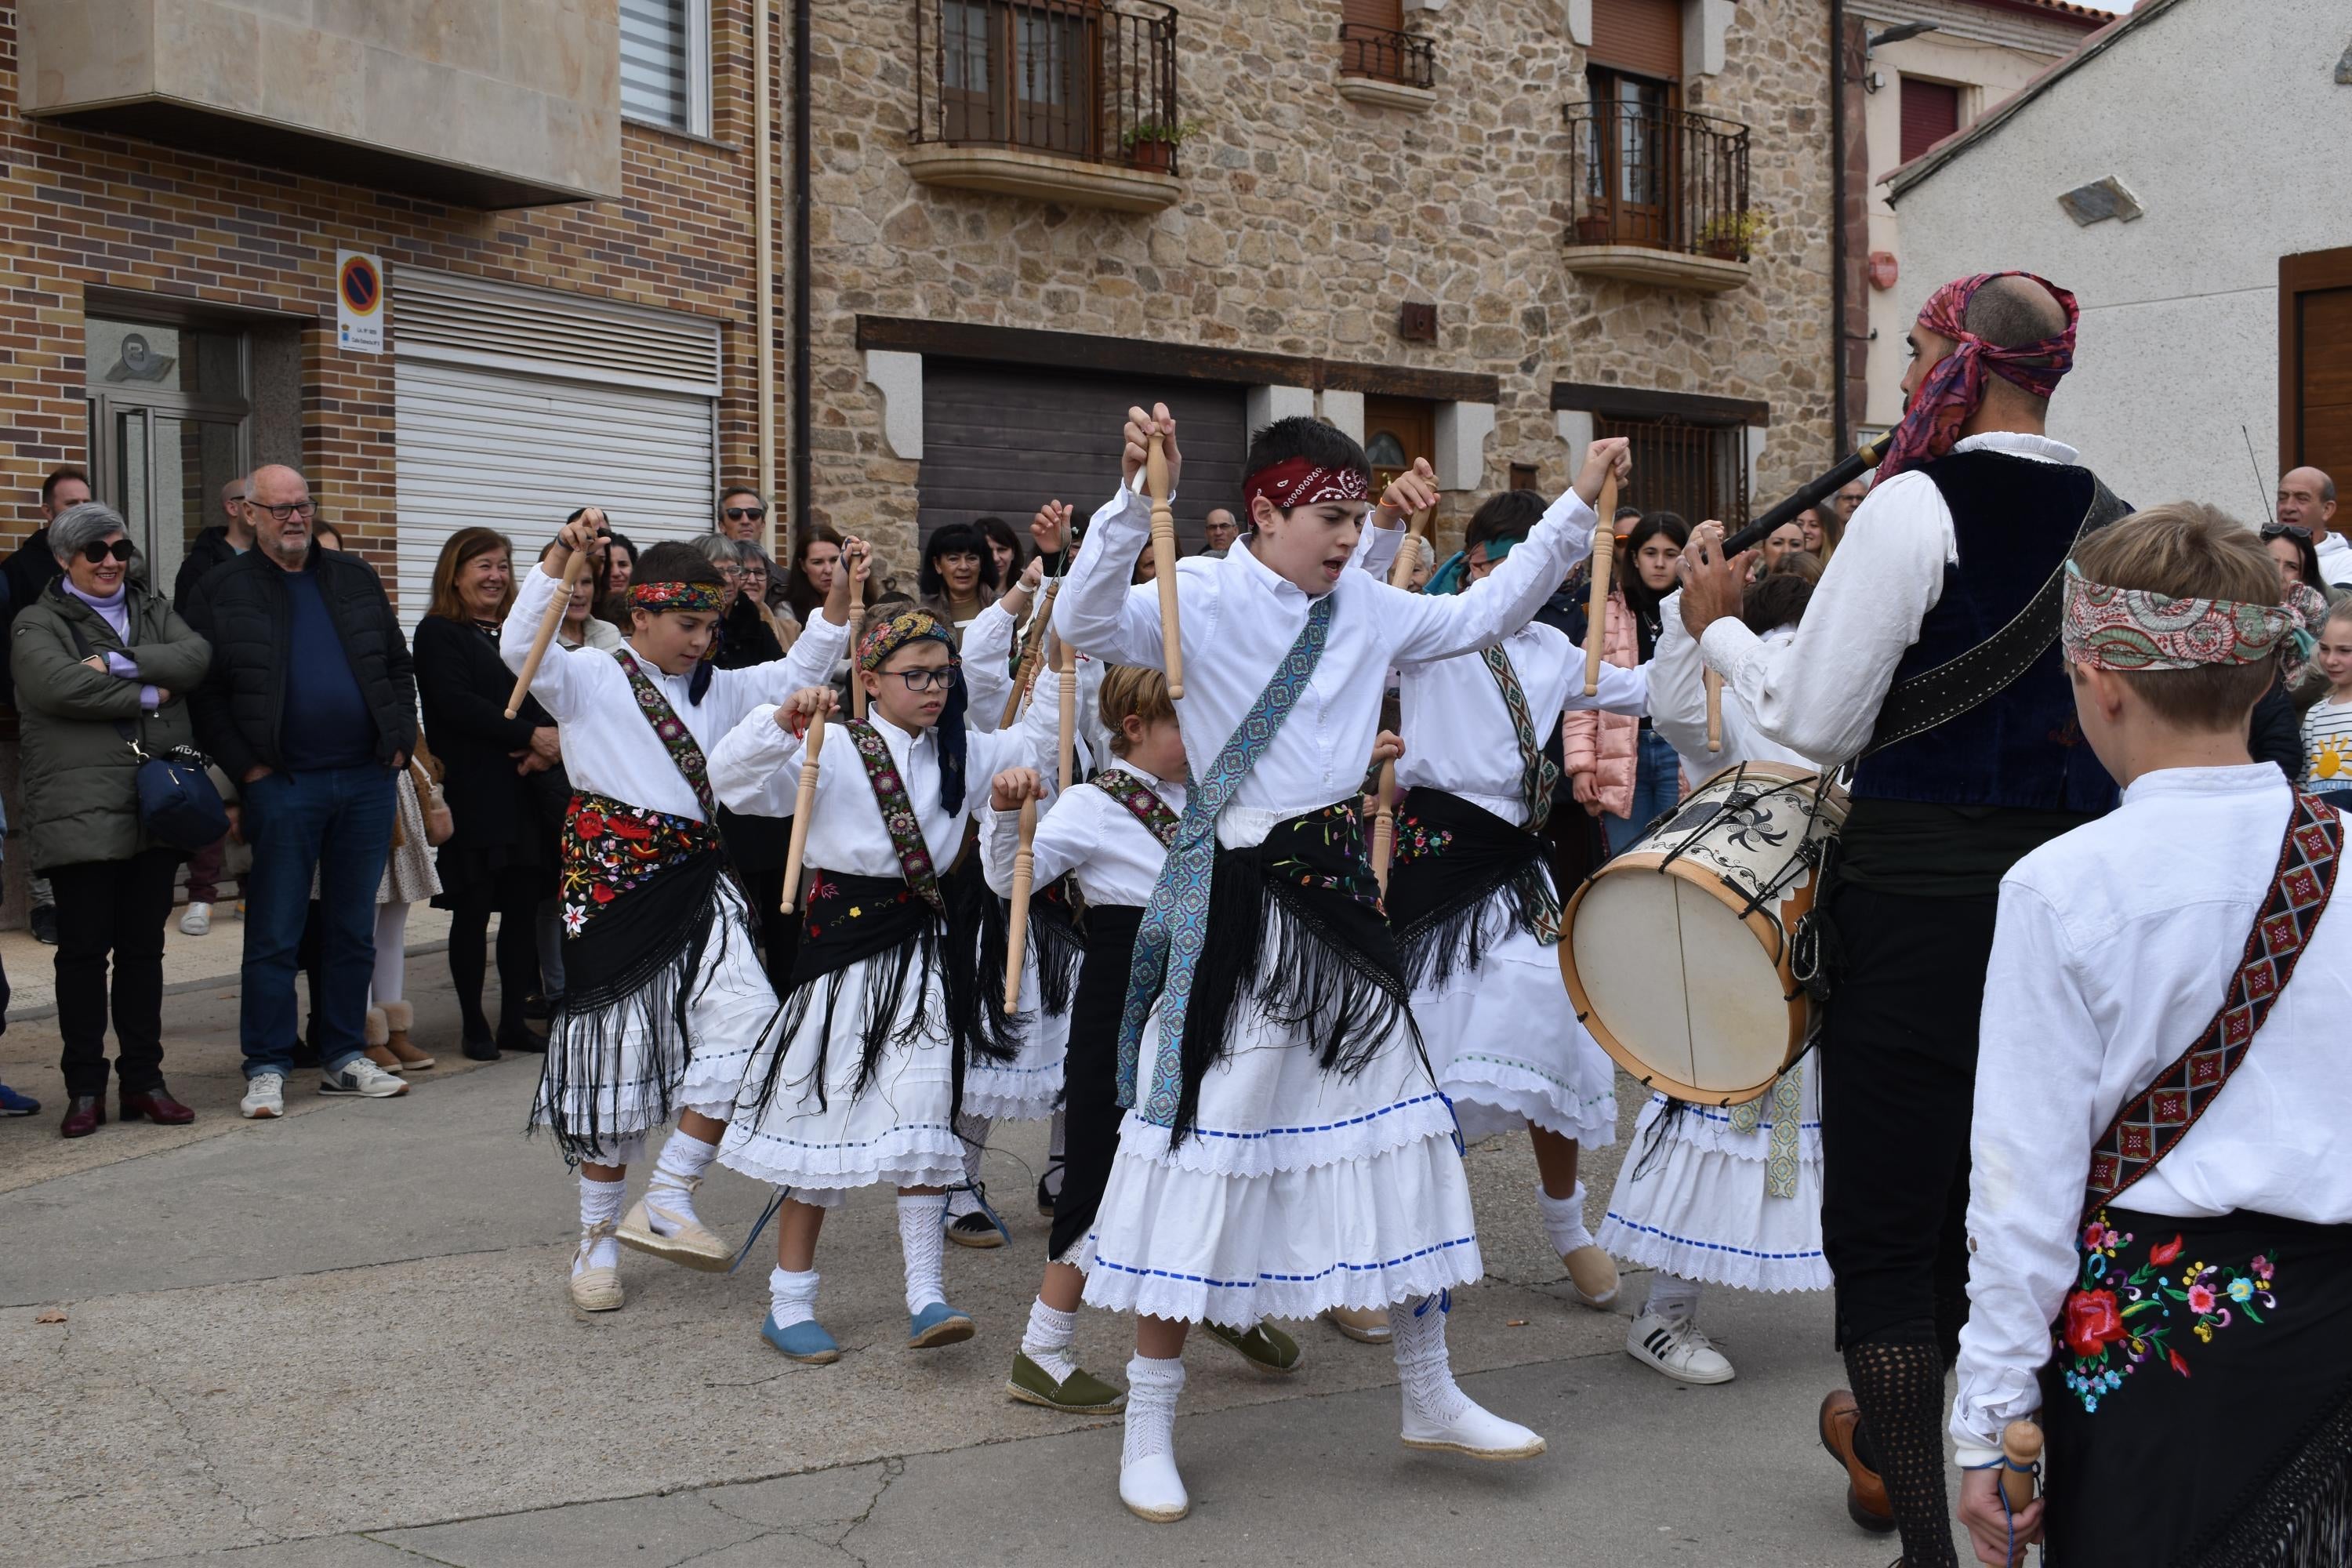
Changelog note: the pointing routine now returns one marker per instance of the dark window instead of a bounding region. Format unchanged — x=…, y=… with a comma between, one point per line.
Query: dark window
x=1695, y=470
x=1632, y=167
x=1523, y=476
x=1931, y=111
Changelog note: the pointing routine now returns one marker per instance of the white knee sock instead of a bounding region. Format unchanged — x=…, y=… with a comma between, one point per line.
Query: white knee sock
x=600, y=1203
x=792, y=1296
x=1152, y=1387
x=1563, y=1220
x=684, y=1158
x=1047, y=1340
x=1673, y=1298
x=1423, y=1368
x=973, y=1131
x=921, y=1240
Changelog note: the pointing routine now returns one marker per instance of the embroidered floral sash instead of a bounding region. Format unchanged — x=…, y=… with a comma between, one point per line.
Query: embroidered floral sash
x=898, y=818
x=610, y=847
x=2152, y=1123
x=676, y=738
x=1141, y=800
x=1538, y=772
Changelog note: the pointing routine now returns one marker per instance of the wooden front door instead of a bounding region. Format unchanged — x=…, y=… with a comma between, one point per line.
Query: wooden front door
x=2315, y=363
x=1396, y=431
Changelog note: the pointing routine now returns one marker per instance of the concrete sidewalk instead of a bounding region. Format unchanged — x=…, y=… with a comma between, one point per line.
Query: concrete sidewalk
x=342, y=1339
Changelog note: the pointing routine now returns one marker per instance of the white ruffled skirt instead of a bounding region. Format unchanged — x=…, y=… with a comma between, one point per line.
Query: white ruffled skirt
x=1297, y=1190
x=1507, y=1050
x=1696, y=1205
x=1029, y=1087
x=895, y=1131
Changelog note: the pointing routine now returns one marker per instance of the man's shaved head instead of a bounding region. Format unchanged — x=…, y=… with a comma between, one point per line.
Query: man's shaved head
x=2010, y=312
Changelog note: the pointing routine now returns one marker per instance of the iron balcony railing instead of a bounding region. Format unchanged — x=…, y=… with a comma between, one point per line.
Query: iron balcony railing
x=1385, y=55
x=1666, y=179
x=1092, y=79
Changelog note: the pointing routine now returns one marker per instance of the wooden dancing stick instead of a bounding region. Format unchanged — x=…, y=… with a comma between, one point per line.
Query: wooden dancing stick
x=547, y=625
x=1163, y=563
x=857, y=629
x=1025, y=872
x=1032, y=654
x=1604, y=549
x=1713, y=712
x=1418, y=530
x=1384, y=826
x=1066, y=665
x=802, y=803
x=2020, y=1446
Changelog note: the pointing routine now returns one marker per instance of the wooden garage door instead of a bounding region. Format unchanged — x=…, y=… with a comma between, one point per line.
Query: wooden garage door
x=1007, y=440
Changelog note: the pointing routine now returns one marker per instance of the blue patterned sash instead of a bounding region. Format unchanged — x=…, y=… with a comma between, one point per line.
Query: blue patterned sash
x=1175, y=922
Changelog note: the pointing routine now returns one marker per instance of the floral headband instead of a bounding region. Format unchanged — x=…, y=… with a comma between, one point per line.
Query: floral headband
x=2131, y=629
x=689, y=597
x=912, y=626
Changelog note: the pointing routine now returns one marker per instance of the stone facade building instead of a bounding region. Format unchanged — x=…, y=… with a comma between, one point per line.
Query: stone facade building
x=1482, y=231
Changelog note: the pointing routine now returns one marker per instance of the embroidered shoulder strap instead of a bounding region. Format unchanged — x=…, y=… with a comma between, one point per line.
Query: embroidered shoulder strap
x=1538, y=772
x=898, y=818
x=2151, y=1123
x=1142, y=800
x=676, y=738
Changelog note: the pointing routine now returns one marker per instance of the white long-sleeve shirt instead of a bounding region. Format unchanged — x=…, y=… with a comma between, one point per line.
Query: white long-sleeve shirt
x=1087, y=835
x=986, y=652
x=1677, y=681
x=1819, y=693
x=1457, y=731
x=608, y=747
x=1041, y=722
x=756, y=770
x=1238, y=619
x=2115, y=946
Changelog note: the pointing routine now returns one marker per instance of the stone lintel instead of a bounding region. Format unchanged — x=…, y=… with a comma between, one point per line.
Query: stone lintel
x=1378, y=94
x=1042, y=177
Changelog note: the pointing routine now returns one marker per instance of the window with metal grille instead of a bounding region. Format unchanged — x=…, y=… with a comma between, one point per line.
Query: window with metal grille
x=666, y=63
x=1695, y=470
x=1931, y=111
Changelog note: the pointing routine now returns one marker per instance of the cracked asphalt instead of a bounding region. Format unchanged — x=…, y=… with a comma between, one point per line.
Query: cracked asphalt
x=341, y=1340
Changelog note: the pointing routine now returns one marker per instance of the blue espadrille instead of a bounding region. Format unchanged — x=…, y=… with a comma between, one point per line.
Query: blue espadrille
x=804, y=1342
x=937, y=1324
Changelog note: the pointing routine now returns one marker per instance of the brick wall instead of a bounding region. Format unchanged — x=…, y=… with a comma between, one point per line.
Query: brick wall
x=85, y=211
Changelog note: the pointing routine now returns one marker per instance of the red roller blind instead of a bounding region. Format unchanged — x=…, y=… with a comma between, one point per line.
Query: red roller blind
x=1389, y=14
x=1641, y=35
x=1931, y=111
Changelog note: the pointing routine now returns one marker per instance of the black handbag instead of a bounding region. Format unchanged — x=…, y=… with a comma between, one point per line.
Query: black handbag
x=178, y=806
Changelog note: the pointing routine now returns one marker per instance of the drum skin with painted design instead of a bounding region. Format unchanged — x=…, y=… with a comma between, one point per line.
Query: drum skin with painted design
x=1678, y=951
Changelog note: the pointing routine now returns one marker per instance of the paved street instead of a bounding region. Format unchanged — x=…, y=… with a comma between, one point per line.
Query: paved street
x=341, y=1340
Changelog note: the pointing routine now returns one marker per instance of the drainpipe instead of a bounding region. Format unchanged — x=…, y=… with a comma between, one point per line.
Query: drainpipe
x=800, y=481
x=1838, y=436
x=763, y=224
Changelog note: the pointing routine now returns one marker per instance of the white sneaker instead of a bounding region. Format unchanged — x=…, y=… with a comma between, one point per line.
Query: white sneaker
x=1474, y=1431
x=197, y=920
x=1677, y=1347
x=1151, y=1489
x=362, y=1076
x=265, y=1097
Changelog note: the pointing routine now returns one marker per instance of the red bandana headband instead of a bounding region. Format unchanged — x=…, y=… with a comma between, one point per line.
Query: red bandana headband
x=1955, y=387
x=693, y=598
x=1294, y=481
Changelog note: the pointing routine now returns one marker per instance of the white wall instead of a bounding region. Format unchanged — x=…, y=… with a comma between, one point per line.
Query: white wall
x=2235, y=138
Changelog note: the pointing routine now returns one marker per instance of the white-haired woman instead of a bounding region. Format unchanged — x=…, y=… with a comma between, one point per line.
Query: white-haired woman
x=101, y=661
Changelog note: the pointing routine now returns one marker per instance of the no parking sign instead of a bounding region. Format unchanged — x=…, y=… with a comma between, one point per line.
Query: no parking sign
x=359, y=301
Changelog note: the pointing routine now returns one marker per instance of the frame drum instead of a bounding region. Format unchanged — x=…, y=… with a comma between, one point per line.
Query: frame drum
x=1679, y=950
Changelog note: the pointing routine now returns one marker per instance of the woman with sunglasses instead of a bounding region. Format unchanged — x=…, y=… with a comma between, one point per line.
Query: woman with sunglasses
x=102, y=660
x=2297, y=554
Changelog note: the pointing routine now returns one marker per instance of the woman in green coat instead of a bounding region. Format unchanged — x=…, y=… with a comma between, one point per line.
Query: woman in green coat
x=99, y=661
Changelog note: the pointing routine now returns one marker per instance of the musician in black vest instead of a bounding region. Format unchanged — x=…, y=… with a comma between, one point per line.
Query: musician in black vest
x=1957, y=550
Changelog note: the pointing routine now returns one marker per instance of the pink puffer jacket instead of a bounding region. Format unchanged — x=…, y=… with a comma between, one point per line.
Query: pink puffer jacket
x=1604, y=744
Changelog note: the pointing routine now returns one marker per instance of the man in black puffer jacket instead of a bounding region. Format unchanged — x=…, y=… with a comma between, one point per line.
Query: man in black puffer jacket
x=310, y=705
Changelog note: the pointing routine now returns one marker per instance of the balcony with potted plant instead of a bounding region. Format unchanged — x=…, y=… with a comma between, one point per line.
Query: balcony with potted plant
x=1059, y=101
x=1661, y=197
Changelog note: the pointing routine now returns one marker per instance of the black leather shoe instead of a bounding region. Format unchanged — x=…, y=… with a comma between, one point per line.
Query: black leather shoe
x=478, y=1049
x=523, y=1038
x=85, y=1114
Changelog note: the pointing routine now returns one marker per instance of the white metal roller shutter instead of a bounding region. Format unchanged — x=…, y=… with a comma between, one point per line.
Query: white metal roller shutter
x=514, y=405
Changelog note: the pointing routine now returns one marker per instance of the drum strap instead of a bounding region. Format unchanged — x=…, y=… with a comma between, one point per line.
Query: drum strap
x=2153, y=1122
x=1937, y=696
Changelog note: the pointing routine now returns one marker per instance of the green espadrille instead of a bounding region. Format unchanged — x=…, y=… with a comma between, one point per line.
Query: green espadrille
x=1264, y=1347
x=1080, y=1394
